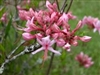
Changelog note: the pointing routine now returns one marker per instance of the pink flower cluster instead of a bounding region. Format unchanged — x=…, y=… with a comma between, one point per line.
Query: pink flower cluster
x=84, y=60
x=50, y=27
x=51, y=23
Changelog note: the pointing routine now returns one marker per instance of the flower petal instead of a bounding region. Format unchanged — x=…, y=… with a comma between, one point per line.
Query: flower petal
x=54, y=51
x=38, y=50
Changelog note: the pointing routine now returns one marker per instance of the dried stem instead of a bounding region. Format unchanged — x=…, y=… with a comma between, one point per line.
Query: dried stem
x=15, y=49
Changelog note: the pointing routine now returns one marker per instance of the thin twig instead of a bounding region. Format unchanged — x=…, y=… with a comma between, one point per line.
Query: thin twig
x=15, y=49
x=10, y=59
x=64, y=6
x=51, y=60
x=69, y=6
x=14, y=57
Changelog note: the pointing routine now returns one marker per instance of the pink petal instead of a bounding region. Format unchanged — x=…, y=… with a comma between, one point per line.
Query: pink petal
x=38, y=50
x=54, y=51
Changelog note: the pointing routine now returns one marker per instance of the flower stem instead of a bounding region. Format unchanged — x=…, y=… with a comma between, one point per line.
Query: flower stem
x=64, y=6
x=69, y=6
x=48, y=70
x=50, y=64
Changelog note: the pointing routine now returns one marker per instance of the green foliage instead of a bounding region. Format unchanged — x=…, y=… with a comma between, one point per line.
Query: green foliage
x=2, y=10
x=62, y=65
x=8, y=28
x=2, y=48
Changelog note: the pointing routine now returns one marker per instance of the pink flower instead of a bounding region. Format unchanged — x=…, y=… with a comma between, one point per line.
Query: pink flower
x=46, y=45
x=92, y=22
x=28, y=36
x=84, y=60
x=24, y=15
x=39, y=17
x=64, y=18
x=79, y=25
x=60, y=42
x=70, y=16
x=51, y=7
x=30, y=26
x=54, y=17
x=89, y=21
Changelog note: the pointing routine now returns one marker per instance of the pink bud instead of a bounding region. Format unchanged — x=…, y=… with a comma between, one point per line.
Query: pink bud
x=85, y=38
x=67, y=47
x=28, y=36
x=79, y=25
x=60, y=42
x=48, y=32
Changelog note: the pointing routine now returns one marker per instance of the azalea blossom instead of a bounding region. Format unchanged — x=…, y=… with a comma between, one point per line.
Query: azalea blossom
x=44, y=25
x=46, y=44
x=84, y=60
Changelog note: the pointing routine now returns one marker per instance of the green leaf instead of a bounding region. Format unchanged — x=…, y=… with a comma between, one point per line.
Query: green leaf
x=2, y=48
x=8, y=28
x=63, y=56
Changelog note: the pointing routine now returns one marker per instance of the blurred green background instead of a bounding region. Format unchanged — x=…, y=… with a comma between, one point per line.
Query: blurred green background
x=62, y=65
